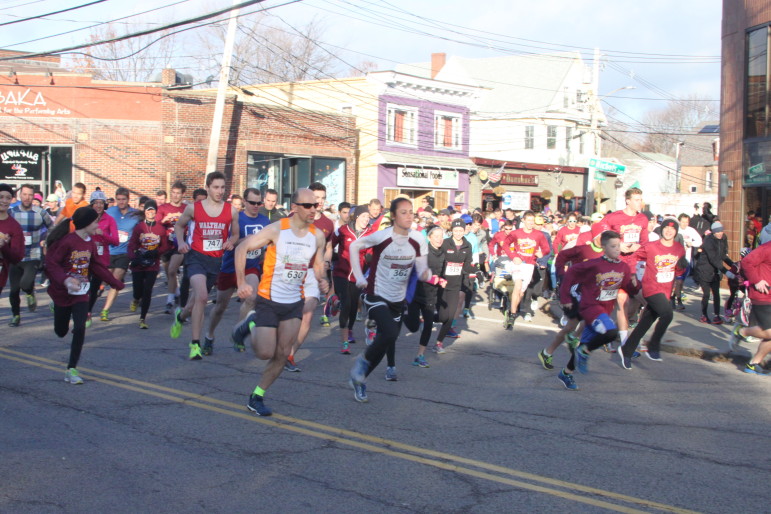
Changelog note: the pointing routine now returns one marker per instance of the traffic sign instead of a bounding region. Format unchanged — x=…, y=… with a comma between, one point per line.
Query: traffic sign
x=600, y=176
x=607, y=166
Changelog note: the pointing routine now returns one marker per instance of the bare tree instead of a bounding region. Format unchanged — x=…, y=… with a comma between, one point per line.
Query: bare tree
x=265, y=52
x=667, y=126
x=138, y=59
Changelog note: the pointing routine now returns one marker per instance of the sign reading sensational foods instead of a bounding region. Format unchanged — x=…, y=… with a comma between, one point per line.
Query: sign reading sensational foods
x=420, y=177
x=21, y=162
x=518, y=179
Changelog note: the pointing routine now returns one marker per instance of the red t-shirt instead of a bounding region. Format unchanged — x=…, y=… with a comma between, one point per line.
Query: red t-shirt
x=633, y=229
x=524, y=245
x=210, y=232
x=660, y=267
x=598, y=282
x=166, y=209
x=564, y=236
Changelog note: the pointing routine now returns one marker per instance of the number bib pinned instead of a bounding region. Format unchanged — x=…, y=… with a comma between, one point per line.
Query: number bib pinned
x=607, y=295
x=212, y=245
x=294, y=272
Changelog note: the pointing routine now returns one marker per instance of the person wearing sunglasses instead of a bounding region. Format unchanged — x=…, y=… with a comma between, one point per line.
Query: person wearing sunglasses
x=295, y=249
x=250, y=221
x=567, y=234
x=215, y=231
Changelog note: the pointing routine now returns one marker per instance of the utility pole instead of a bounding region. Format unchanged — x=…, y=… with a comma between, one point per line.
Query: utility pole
x=219, y=106
x=589, y=203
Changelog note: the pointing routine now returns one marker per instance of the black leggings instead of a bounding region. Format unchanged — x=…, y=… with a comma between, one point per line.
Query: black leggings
x=22, y=278
x=658, y=307
x=62, y=315
x=143, y=282
x=388, y=318
x=412, y=320
x=447, y=304
x=348, y=294
x=93, y=292
x=714, y=288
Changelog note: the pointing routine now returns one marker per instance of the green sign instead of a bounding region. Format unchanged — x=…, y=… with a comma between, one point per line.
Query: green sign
x=611, y=167
x=600, y=176
x=757, y=174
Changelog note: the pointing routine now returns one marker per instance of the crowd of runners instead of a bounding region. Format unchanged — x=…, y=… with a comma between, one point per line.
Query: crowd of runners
x=614, y=276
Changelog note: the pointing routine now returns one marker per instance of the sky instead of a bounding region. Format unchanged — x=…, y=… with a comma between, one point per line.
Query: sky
x=664, y=50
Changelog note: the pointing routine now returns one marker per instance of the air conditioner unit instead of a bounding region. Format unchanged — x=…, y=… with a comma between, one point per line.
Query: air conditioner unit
x=694, y=189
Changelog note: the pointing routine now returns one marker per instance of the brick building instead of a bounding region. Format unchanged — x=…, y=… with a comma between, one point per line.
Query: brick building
x=58, y=125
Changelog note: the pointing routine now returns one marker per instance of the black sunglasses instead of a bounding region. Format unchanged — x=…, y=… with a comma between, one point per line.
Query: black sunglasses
x=256, y=204
x=308, y=205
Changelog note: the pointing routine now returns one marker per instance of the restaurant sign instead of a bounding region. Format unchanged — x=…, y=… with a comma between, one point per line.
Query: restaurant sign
x=420, y=177
x=518, y=179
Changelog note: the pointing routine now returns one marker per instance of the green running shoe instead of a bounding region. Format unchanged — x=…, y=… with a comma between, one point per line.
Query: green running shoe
x=176, y=327
x=195, y=352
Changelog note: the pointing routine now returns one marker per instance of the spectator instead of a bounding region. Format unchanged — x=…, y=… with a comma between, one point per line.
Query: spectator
x=708, y=269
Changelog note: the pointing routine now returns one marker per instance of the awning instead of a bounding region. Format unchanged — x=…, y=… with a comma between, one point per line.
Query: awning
x=425, y=161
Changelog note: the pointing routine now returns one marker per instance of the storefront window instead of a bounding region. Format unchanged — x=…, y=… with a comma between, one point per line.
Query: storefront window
x=757, y=163
x=331, y=173
x=757, y=83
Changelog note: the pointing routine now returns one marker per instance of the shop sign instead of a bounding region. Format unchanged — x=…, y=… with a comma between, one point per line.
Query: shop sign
x=425, y=178
x=518, y=179
x=23, y=163
x=515, y=200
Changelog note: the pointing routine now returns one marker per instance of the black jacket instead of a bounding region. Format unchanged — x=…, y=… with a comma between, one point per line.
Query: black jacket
x=458, y=263
x=426, y=293
x=714, y=252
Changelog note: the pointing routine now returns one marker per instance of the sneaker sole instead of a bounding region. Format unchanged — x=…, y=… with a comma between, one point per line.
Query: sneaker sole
x=355, y=395
x=566, y=386
x=647, y=354
x=252, y=409
x=623, y=366
x=543, y=362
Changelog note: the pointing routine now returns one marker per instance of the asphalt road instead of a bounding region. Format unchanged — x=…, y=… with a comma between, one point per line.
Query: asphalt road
x=484, y=429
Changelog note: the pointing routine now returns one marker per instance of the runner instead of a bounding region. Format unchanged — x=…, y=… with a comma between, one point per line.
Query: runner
x=595, y=284
x=347, y=293
x=295, y=245
x=126, y=219
x=76, y=200
x=269, y=208
x=311, y=288
x=199, y=195
x=524, y=246
x=692, y=240
x=633, y=227
x=104, y=237
x=168, y=214
x=214, y=231
x=664, y=260
x=71, y=260
x=33, y=220
x=148, y=242
x=12, y=247
x=396, y=250
x=249, y=222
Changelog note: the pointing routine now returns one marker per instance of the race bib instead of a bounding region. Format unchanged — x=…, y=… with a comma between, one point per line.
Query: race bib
x=27, y=239
x=632, y=237
x=453, y=269
x=400, y=274
x=84, y=287
x=173, y=237
x=123, y=236
x=253, y=254
x=607, y=295
x=212, y=245
x=665, y=276
x=294, y=273
x=99, y=249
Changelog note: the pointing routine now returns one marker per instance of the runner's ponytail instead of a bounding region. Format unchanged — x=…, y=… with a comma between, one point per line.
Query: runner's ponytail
x=58, y=232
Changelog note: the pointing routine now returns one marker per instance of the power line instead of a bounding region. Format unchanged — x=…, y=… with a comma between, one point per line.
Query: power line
x=52, y=13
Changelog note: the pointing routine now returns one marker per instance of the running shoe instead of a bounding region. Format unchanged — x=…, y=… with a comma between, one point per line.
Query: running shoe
x=72, y=377
x=351, y=339
x=359, y=391
x=344, y=349
x=257, y=405
x=717, y=320
x=370, y=331
x=572, y=340
x=626, y=362
x=528, y=318
x=466, y=313
x=680, y=306
x=453, y=334
x=31, y=303
x=358, y=316
x=45, y=283
x=563, y=320
x=89, y=321
x=642, y=347
x=755, y=368
x=359, y=369
x=208, y=346
x=439, y=348
x=104, y=315
x=15, y=321
x=420, y=361
x=143, y=325
x=324, y=321
x=704, y=319
x=332, y=306
x=51, y=307
x=390, y=374
x=546, y=360
x=735, y=339
x=534, y=305
x=291, y=365
x=195, y=352
x=582, y=359
x=653, y=355
x=567, y=380
x=133, y=305
x=176, y=327
x=169, y=308
x=241, y=331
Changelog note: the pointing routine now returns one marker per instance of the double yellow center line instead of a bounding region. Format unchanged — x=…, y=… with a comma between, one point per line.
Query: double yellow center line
x=446, y=461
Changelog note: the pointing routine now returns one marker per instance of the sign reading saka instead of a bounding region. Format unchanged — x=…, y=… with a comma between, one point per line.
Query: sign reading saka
x=23, y=163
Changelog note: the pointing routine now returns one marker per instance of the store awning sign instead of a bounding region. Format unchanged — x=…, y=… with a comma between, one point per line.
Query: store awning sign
x=427, y=178
x=21, y=163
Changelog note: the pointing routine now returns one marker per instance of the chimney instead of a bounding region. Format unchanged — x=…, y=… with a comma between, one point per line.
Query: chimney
x=168, y=77
x=437, y=63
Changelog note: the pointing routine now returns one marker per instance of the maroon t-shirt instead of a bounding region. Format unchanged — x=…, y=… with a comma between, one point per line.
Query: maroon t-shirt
x=13, y=249
x=660, y=267
x=598, y=282
x=633, y=229
x=326, y=225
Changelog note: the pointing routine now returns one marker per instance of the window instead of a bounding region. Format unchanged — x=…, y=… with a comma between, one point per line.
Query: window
x=694, y=189
x=401, y=125
x=568, y=137
x=529, y=137
x=566, y=98
x=551, y=137
x=756, y=123
x=447, y=130
x=708, y=180
x=581, y=143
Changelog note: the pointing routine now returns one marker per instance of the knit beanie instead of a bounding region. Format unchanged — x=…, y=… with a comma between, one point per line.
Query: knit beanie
x=83, y=217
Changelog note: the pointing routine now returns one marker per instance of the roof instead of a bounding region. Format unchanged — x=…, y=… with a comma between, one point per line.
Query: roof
x=697, y=150
x=407, y=159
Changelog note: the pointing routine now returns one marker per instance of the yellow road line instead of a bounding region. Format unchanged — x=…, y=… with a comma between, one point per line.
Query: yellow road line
x=367, y=442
